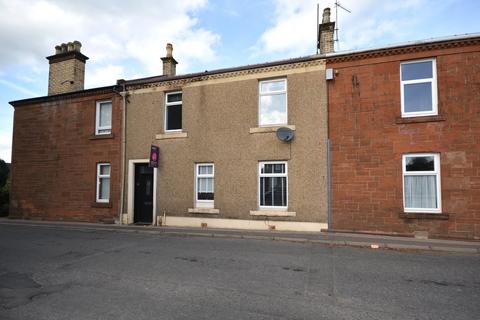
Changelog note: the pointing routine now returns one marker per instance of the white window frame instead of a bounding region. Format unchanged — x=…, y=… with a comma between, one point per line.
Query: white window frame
x=436, y=172
x=102, y=176
x=167, y=104
x=260, y=175
x=269, y=93
x=98, y=128
x=432, y=80
x=204, y=203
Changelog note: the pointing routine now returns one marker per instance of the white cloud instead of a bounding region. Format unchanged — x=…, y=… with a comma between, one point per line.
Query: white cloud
x=18, y=88
x=5, y=147
x=103, y=75
x=293, y=32
x=113, y=33
x=123, y=39
x=24, y=78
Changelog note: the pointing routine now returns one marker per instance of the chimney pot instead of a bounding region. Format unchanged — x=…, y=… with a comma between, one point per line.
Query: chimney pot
x=58, y=49
x=169, y=50
x=326, y=15
x=64, y=47
x=70, y=46
x=77, y=45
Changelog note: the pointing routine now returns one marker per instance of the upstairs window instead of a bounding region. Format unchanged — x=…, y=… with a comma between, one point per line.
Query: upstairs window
x=272, y=108
x=103, y=182
x=419, y=88
x=173, y=111
x=421, y=183
x=103, y=118
x=273, y=185
x=204, y=193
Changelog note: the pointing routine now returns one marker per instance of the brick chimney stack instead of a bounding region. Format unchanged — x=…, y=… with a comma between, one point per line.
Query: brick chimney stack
x=169, y=63
x=325, y=33
x=67, y=69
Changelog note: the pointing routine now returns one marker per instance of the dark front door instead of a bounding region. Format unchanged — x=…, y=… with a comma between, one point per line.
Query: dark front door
x=143, y=201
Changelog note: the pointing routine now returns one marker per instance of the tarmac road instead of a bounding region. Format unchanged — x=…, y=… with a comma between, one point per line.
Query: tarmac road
x=55, y=273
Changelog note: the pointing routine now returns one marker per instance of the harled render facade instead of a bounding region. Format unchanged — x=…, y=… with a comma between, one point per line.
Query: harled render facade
x=221, y=163
x=380, y=141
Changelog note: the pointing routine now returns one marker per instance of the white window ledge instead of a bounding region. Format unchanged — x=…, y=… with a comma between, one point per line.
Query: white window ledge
x=204, y=210
x=272, y=213
x=270, y=128
x=171, y=135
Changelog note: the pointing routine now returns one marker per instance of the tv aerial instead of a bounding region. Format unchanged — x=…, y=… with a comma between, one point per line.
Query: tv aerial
x=338, y=5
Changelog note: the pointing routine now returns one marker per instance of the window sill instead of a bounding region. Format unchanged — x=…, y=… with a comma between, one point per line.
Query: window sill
x=272, y=213
x=204, y=210
x=426, y=216
x=101, y=205
x=101, y=136
x=270, y=129
x=171, y=135
x=420, y=119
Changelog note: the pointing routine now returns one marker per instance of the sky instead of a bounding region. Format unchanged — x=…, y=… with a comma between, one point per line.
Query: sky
x=125, y=39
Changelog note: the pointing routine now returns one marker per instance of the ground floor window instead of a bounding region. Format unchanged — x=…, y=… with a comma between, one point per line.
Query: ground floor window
x=273, y=184
x=103, y=182
x=204, y=185
x=421, y=182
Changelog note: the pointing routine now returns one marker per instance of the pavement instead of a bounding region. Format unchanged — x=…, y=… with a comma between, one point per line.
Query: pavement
x=77, y=272
x=326, y=238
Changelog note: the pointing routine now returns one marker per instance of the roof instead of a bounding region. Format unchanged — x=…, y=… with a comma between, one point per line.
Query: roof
x=416, y=43
x=306, y=58
x=66, y=95
x=223, y=70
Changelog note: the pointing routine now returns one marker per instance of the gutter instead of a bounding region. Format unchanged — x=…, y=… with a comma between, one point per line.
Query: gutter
x=221, y=71
x=63, y=96
x=466, y=36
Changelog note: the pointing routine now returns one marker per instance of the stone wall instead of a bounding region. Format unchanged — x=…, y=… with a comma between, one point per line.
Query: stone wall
x=369, y=138
x=66, y=76
x=54, y=158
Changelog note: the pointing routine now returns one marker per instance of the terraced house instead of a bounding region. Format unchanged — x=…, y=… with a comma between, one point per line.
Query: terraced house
x=242, y=147
x=66, y=147
x=405, y=135
x=382, y=140
x=221, y=163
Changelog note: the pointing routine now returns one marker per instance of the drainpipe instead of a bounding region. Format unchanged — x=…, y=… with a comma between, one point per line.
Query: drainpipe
x=329, y=184
x=329, y=163
x=123, y=93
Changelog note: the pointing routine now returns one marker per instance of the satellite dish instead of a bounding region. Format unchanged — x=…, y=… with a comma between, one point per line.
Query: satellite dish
x=285, y=134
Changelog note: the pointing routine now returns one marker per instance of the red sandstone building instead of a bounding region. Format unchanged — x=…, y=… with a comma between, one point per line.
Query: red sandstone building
x=66, y=147
x=404, y=126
